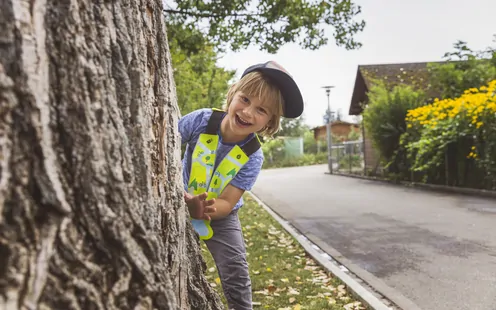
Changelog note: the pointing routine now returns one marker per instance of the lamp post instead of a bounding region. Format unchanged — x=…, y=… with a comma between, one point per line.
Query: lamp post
x=329, y=134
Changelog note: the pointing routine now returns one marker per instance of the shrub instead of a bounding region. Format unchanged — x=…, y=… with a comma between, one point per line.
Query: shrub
x=384, y=120
x=463, y=128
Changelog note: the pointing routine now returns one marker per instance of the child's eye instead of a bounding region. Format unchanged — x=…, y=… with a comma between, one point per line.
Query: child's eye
x=245, y=99
x=262, y=110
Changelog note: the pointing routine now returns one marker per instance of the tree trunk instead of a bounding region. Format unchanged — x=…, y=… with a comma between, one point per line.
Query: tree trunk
x=91, y=196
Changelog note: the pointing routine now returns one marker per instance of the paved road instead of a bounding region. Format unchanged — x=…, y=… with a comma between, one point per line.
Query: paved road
x=436, y=250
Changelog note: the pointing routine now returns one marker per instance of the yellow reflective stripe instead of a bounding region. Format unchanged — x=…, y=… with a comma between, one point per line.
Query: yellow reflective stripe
x=227, y=170
x=202, y=163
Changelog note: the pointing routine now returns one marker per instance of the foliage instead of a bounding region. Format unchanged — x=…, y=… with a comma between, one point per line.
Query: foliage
x=273, y=150
x=384, y=119
x=304, y=160
x=350, y=160
x=469, y=118
x=275, y=156
x=463, y=70
x=200, y=83
x=292, y=127
x=311, y=146
x=267, y=23
x=354, y=135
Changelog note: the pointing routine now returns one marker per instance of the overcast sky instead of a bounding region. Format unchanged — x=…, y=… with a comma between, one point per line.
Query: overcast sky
x=396, y=31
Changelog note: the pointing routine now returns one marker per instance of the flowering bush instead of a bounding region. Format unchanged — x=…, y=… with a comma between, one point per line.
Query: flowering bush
x=468, y=121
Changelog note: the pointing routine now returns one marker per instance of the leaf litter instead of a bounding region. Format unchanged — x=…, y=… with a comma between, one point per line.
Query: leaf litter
x=283, y=276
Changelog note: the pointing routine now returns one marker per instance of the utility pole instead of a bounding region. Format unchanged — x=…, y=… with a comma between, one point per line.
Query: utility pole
x=329, y=133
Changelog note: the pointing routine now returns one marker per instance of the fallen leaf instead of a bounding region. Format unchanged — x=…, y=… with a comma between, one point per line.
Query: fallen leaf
x=256, y=272
x=217, y=280
x=271, y=288
x=285, y=280
x=297, y=307
x=292, y=291
x=292, y=300
x=269, y=269
x=211, y=269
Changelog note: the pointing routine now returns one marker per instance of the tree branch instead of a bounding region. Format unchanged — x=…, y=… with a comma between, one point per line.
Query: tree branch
x=209, y=15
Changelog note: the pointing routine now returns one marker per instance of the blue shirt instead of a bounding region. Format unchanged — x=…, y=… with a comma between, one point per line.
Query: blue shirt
x=194, y=124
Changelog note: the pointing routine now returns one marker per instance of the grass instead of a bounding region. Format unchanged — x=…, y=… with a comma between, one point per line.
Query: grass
x=283, y=276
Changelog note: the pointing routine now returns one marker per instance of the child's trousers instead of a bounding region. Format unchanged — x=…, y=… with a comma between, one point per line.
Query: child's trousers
x=228, y=250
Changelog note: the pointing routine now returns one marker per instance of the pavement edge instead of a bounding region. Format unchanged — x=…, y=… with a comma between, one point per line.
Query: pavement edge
x=358, y=289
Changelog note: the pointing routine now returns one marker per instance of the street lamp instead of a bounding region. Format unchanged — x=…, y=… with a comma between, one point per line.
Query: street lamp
x=329, y=134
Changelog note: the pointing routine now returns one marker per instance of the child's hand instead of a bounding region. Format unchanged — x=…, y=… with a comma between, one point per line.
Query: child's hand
x=198, y=206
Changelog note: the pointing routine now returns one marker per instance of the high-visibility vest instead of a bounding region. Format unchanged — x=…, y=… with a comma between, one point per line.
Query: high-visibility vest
x=202, y=178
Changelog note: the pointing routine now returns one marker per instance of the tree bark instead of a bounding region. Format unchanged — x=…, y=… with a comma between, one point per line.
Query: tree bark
x=91, y=196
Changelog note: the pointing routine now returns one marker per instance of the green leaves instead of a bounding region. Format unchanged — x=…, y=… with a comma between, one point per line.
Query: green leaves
x=237, y=24
x=384, y=119
x=200, y=83
x=465, y=69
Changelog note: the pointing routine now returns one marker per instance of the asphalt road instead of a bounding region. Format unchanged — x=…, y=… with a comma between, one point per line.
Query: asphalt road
x=435, y=250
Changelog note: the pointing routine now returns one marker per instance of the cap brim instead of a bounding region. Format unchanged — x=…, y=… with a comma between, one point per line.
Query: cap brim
x=293, y=100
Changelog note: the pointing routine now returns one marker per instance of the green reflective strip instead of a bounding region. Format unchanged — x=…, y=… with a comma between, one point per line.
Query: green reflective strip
x=202, y=163
x=226, y=171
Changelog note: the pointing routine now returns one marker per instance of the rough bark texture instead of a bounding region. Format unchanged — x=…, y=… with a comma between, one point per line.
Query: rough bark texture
x=91, y=204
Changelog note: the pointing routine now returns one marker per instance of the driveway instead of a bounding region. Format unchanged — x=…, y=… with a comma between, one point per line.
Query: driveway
x=425, y=249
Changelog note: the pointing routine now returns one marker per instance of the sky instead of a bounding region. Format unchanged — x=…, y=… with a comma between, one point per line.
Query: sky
x=396, y=31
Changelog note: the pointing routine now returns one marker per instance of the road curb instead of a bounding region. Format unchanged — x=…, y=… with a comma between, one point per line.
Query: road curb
x=431, y=187
x=329, y=263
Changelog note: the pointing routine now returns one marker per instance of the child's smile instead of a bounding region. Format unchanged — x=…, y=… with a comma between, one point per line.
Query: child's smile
x=241, y=122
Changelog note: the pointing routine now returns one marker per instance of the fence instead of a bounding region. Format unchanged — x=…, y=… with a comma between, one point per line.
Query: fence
x=293, y=147
x=348, y=157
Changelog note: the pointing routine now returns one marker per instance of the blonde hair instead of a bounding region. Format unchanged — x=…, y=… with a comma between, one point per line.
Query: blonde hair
x=256, y=84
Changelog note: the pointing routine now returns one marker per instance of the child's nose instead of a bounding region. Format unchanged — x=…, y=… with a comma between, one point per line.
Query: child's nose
x=249, y=111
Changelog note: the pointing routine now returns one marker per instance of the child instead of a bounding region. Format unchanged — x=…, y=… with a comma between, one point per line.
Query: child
x=222, y=161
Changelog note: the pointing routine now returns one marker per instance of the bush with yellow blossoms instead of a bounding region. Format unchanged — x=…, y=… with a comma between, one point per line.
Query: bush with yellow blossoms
x=467, y=122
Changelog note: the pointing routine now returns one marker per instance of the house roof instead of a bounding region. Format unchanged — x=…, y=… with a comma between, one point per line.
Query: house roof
x=414, y=74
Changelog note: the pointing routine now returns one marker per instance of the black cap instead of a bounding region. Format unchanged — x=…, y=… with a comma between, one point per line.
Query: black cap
x=293, y=101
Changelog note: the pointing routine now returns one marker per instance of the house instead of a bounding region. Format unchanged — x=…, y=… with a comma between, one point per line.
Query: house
x=338, y=128
x=413, y=74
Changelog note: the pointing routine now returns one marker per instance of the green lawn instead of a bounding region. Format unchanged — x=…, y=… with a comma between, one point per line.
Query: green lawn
x=283, y=276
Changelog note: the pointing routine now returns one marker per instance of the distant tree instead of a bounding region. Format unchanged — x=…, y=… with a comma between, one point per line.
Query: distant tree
x=292, y=127
x=463, y=70
x=200, y=82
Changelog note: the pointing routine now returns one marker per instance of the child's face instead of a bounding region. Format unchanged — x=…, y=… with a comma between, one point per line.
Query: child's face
x=247, y=114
